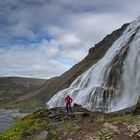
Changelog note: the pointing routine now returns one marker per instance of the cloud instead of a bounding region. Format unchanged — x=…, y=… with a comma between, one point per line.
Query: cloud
x=33, y=62
x=45, y=38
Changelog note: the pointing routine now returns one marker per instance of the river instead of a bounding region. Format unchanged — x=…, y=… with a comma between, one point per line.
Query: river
x=7, y=117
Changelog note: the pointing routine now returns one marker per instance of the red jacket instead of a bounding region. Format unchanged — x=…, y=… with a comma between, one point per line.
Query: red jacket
x=68, y=99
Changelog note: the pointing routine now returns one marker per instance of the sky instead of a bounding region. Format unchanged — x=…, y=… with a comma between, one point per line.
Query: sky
x=45, y=38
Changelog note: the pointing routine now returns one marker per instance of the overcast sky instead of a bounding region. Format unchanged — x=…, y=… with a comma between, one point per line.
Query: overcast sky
x=44, y=38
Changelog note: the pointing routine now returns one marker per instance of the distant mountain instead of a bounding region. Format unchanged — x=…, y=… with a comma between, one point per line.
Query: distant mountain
x=20, y=82
x=18, y=92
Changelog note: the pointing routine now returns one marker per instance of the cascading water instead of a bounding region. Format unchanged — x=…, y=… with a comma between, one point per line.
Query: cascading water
x=91, y=88
x=130, y=77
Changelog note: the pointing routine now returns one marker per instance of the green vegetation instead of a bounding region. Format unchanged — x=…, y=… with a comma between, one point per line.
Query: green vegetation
x=100, y=118
x=52, y=132
x=130, y=117
x=103, y=133
x=124, y=118
x=113, y=76
x=71, y=126
x=24, y=101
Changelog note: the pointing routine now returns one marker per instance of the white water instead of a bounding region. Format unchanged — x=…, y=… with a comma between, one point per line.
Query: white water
x=131, y=77
x=82, y=90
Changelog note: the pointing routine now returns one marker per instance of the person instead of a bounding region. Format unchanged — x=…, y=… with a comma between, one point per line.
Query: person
x=68, y=101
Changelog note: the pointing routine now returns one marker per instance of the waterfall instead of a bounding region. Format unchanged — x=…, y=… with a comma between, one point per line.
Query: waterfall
x=91, y=88
x=130, y=77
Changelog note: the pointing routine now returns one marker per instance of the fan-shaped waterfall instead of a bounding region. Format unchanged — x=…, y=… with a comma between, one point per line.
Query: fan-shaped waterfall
x=113, y=83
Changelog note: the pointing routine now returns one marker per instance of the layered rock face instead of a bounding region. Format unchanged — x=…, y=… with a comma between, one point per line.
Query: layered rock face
x=107, y=85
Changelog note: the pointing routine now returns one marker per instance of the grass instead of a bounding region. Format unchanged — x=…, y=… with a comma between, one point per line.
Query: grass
x=71, y=127
x=103, y=133
x=100, y=118
x=124, y=118
x=130, y=117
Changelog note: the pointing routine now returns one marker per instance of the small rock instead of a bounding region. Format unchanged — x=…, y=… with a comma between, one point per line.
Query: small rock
x=108, y=137
x=116, y=123
x=110, y=126
x=129, y=126
x=138, y=135
x=65, y=134
x=130, y=135
x=134, y=129
x=43, y=135
x=69, y=139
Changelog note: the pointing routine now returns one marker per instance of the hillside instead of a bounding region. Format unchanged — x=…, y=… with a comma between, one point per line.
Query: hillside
x=107, y=85
x=53, y=85
x=16, y=92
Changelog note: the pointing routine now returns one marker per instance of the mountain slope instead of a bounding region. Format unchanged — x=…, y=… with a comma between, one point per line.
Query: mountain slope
x=107, y=85
x=53, y=85
x=16, y=91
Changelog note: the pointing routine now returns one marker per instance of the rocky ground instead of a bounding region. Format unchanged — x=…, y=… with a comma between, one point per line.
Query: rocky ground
x=85, y=125
x=55, y=124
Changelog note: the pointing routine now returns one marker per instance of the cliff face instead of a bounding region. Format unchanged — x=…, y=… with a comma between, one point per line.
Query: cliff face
x=53, y=85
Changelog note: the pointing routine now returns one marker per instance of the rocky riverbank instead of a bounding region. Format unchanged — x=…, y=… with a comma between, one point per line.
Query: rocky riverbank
x=8, y=116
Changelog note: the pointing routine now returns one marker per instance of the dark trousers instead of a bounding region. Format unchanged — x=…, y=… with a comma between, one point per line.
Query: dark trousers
x=68, y=108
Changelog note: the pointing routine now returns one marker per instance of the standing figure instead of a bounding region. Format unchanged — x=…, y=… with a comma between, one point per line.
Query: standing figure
x=68, y=101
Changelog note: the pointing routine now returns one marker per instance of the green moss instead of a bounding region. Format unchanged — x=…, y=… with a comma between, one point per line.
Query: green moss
x=113, y=76
x=116, y=118
x=52, y=135
x=71, y=127
x=100, y=118
x=124, y=118
x=103, y=133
